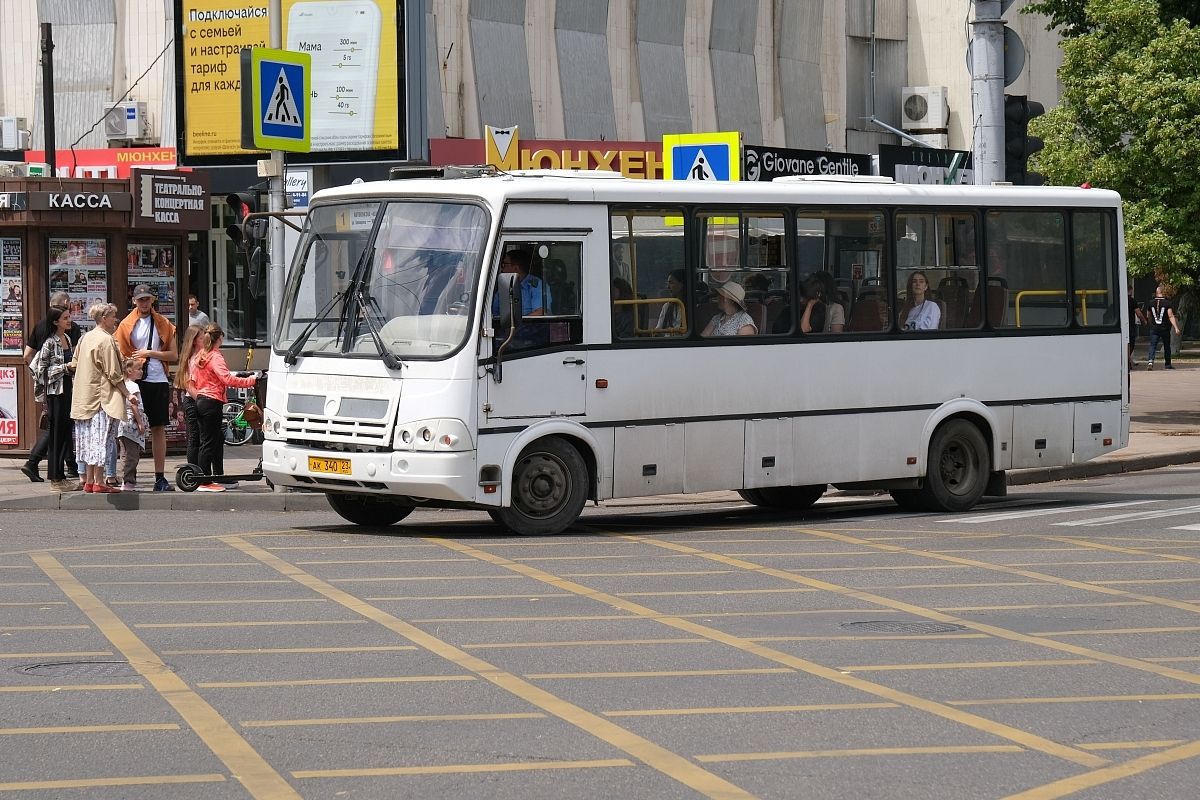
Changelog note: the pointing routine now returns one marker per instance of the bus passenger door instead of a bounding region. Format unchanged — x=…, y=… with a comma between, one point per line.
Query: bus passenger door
x=543, y=365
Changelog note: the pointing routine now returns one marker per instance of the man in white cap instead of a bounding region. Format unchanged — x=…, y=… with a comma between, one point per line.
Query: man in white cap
x=148, y=335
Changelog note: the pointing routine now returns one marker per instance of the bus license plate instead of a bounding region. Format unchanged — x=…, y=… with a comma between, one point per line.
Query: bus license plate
x=337, y=466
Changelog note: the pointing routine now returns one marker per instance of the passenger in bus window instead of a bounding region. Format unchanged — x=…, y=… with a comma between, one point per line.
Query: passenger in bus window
x=670, y=315
x=535, y=294
x=835, y=309
x=919, y=312
x=732, y=320
x=623, y=313
x=812, y=318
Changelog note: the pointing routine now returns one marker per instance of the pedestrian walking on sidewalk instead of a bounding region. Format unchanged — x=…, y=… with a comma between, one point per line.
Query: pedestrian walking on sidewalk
x=1135, y=319
x=1161, y=314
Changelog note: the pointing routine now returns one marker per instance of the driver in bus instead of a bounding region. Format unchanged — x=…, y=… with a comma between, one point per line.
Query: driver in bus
x=535, y=294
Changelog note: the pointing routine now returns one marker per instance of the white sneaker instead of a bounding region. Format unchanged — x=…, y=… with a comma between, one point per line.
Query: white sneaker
x=1149, y=365
x=210, y=487
x=129, y=487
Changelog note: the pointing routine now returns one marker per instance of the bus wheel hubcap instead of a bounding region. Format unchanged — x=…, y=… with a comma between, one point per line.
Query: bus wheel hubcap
x=957, y=467
x=543, y=486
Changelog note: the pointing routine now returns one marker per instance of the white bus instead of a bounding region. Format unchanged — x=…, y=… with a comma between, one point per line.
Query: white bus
x=411, y=368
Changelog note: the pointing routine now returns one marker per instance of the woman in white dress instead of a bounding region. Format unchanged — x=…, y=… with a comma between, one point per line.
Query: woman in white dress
x=732, y=319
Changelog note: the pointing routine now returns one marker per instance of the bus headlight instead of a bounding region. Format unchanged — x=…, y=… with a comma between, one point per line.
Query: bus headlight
x=270, y=425
x=432, y=435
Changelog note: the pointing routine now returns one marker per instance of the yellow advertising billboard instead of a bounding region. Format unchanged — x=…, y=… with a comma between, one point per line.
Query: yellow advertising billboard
x=355, y=73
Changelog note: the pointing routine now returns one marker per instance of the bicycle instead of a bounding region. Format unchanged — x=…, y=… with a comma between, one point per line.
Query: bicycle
x=234, y=427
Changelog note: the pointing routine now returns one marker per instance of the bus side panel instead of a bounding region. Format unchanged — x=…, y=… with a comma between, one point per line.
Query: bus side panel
x=769, y=453
x=648, y=460
x=1042, y=435
x=840, y=448
x=714, y=455
x=1095, y=422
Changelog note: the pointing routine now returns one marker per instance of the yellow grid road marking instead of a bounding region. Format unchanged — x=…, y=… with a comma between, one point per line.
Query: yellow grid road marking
x=1158, y=560
x=290, y=723
x=215, y=602
x=1000, y=730
x=409, y=597
x=334, y=681
x=149, y=726
x=714, y=592
x=1039, y=606
x=43, y=627
x=666, y=673
x=1050, y=662
x=382, y=561
x=1088, y=780
x=254, y=651
x=94, y=783
x=242, y=761
x=582, y=643
x=73, y=687
x=411, y=578
x=1099, y=698
x=71, y=654
x=264, y=623
x=1085, y=543
x=858, y=752
x=1042, y=577
x=668, y=763
x=985, y=585
x=660, y=573
x=1119, y=631
x=35, y=603
x=169, y=565
x=683, y=712
x=247, y=582
x=882, y=637
x=1132, y=745
x=461, y=769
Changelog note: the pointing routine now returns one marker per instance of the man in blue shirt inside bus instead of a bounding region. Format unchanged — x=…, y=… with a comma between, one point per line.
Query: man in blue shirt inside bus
x=535, y=294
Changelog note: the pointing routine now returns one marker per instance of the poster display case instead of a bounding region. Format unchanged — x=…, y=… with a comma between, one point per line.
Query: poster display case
x=12, y=293
x=153, y=265
x=79, y=267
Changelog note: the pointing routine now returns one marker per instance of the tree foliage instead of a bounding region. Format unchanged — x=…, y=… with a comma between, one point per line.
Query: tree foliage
x=1129, y=120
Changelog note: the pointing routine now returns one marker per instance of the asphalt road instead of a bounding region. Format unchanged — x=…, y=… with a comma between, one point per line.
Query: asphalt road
x=1040, y=646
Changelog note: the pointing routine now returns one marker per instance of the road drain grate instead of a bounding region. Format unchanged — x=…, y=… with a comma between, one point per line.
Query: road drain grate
x=83, y=669
x=890, y=626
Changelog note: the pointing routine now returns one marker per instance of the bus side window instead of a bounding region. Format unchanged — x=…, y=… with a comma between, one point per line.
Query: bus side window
x=648, y=287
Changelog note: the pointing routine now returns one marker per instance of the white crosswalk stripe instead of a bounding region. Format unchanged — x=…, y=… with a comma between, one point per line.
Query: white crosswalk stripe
x=1037, y=512
x=1137, y=516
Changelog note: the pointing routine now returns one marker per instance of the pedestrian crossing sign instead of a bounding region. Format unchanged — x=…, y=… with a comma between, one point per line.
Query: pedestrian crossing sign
x=278, y=114
x=702, y=156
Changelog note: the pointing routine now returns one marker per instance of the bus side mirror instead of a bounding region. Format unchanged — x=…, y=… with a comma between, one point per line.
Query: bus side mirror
x=508, y=316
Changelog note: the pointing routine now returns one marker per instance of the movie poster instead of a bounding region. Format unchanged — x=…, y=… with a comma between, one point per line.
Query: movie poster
x=8, y=405
x=153, y=265
x=79, y=267
x=12, y=293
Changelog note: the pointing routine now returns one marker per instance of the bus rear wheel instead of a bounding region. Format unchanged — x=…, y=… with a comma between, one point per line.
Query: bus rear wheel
x=362, y=509
x=958, y=469
x=784, y=498
x=549, y=489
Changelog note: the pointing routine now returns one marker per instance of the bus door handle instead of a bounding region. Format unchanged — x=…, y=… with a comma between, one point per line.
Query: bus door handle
x=573, y=362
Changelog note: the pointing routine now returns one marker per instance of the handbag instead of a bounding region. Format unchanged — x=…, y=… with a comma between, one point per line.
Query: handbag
x=44, y=420
x=252, y=412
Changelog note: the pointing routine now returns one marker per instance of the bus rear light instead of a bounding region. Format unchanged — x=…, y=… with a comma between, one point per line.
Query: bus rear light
x=490, y=489
x=1108, y=441
x=911, y=460
x=601, y=383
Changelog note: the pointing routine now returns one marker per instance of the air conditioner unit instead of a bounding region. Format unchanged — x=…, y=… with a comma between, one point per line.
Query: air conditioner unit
x=125, y=121
x=14, y=133
x=924, y=108
x=941, y=141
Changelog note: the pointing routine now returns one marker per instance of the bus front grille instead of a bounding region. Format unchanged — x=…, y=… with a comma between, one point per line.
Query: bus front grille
x=331, y=431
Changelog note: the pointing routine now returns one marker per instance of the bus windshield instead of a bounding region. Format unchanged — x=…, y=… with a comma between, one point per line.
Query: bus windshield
x=398, y=275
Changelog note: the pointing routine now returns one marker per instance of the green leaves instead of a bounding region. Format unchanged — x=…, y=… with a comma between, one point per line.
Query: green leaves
x=1130, y=121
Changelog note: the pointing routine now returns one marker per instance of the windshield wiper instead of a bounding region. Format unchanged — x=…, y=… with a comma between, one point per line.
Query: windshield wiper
x=390, y=360
x=294, y=351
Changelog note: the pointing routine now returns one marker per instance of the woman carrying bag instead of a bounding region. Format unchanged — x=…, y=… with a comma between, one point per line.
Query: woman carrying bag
x=211, y=378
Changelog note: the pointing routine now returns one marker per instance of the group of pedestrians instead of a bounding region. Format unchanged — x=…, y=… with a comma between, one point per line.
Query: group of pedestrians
x=108, y=391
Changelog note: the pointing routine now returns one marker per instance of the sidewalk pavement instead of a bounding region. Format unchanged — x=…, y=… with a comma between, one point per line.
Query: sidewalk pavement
x=1164, y=430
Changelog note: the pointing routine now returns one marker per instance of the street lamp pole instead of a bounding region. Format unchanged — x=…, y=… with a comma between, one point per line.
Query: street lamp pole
x=987, y=91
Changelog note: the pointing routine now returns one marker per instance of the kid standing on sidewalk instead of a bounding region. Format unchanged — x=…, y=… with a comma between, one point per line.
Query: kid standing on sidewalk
x=131, y=437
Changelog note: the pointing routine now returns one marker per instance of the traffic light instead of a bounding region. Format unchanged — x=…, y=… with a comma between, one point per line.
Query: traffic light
x=248, y=237
x=1018, y=144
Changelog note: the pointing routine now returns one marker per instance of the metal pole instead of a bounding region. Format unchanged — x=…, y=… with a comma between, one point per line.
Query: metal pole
x=987, y=91
x=48, y=143
x=276, y=266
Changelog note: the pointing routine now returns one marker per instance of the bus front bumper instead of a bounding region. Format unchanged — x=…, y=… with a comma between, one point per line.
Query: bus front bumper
x=451, y=477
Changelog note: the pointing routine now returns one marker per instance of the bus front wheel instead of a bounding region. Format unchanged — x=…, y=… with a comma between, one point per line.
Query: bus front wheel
x=549, y=489
x=784, y=498
x=362, y=509
x=959, y=465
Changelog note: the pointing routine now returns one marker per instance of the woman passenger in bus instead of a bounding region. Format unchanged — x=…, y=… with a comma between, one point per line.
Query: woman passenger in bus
x=919, y=312
x=670, y=315
x=816, y=308
x=835, y=311
x=732, y=320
